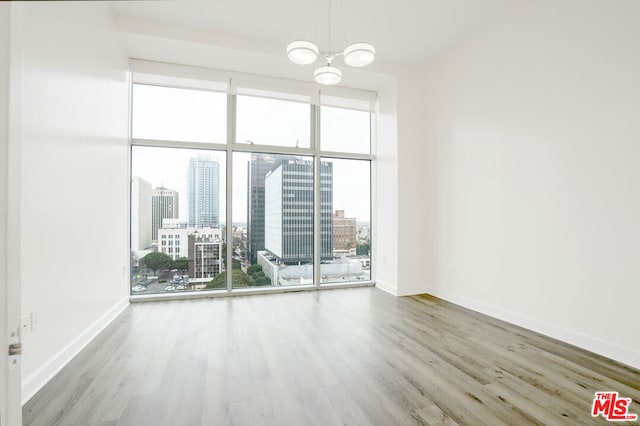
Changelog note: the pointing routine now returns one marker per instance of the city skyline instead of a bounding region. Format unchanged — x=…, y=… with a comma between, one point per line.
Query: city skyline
x=168, y=167
x=200, y=116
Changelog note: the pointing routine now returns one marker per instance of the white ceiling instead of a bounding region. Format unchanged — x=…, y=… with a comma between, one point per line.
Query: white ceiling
x=409, y=32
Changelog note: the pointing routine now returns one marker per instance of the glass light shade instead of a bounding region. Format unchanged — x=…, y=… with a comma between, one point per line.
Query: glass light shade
x=302, y=52
x=359, y=54
x=328, y=75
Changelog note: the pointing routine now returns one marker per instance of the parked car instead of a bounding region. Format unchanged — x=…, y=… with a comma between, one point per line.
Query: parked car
x=169, y=288
x=138, y=288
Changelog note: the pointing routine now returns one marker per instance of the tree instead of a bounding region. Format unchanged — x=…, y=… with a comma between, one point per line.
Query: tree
x=255, y=277
x=253, y=269
x=240, y=279
x=235, y=264
x=181, y=264
x=155, y=261
x=258, y=276
x=218, y=282
x=362, y=249
x=262, y=280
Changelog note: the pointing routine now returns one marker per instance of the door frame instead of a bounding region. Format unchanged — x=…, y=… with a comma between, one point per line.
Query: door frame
x=10, y=280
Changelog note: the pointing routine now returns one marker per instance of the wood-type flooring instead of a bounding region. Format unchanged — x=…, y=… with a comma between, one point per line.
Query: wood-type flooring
x=337, y=357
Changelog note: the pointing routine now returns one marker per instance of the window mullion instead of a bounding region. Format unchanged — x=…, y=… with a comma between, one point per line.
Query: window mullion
x=317, y=232
x=231, y=138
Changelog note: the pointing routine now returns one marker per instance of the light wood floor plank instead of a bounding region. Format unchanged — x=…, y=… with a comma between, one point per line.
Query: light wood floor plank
x=335, y=357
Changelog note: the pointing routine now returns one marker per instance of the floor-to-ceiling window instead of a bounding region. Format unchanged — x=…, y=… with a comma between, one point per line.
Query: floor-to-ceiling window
x=244, y=182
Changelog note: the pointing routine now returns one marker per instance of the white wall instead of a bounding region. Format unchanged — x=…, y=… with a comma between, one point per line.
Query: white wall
x=416, y=184
x=74, y=178
x=404, y=179
x=385, y=190
x=536, y=126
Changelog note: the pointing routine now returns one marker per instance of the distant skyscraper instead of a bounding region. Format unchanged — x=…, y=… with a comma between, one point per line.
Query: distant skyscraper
x=204, y=192
x=164, y=205
x=289, y=211
x=140, y=214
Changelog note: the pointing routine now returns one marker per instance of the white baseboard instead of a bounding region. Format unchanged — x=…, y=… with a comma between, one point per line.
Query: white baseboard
x=610, y=350
x=405, y=291
x=32, y=384
x=389, y=288
x=410, y=291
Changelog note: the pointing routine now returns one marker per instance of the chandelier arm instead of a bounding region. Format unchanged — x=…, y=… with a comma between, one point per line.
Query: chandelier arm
x=331, y=54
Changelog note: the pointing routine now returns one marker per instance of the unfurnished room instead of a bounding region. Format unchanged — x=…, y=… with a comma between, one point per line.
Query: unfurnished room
x=320, y=212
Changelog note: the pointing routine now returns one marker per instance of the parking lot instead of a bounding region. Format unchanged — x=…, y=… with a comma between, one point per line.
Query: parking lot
x=164, y=284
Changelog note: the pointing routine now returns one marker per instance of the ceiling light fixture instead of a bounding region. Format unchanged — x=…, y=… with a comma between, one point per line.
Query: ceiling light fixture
x=328, y=75
x=304, y=52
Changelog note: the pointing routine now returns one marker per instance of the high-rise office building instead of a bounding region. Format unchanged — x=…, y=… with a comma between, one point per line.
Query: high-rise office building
x=141, y=234
x=204, y=192
x=164, y=205
x=289, y=211
x=257, y=169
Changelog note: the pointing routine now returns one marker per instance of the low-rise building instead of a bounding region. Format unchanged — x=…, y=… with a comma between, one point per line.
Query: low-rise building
x=205, y=260
x=330, y=271
x=202, y=246
x=344, y=234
